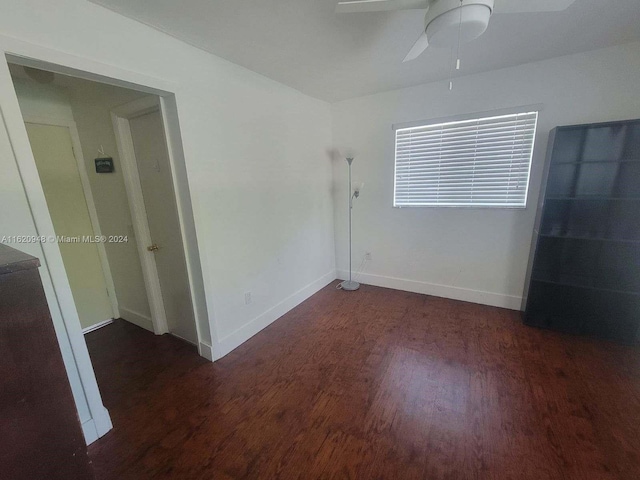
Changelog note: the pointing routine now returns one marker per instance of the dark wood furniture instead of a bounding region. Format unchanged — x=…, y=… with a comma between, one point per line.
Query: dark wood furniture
x=40, y=433
x=584, y=273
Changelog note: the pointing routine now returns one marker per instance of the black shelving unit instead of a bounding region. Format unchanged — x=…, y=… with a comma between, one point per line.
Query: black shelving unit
x=584, y=269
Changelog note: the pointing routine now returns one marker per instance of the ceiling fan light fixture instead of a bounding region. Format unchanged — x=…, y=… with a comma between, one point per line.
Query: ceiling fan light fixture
x=467, y=21
x=449, y=23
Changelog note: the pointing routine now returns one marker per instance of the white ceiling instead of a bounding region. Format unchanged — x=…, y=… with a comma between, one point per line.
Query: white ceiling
x=304, y=44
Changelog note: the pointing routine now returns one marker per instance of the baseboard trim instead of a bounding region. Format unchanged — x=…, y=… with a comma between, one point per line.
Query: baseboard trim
x=511, y=302
x=96, y=427
x=244, y=333
x=183, y=339
x=136, y=318
x=90, y=431
x=97, y=326
x=206, y=351
x=103, y=422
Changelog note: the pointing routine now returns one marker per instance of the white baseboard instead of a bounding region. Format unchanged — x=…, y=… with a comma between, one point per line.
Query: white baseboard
x=90, y=431
x=94, y=428
x=136, y=318
x=97, y=326
x=103, y=422
x=244, y=333
x=173, y=334
x=511, y=302
x=205, y=350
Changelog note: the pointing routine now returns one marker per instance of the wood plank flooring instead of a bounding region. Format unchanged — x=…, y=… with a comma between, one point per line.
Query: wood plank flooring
x=374, y=384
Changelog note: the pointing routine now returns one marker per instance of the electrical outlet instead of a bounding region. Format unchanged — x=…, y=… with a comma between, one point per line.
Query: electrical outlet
x=247, y=298
x=367, y=256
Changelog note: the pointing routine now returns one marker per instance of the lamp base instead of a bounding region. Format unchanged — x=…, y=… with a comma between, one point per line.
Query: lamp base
x=349, y=286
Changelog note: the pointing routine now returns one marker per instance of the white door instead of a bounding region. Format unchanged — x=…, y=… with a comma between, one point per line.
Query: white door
x=147, y=133
x=58, y=170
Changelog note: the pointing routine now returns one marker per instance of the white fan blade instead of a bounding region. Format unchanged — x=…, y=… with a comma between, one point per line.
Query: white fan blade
x=357, y=6
x=531, y=6
x=420, y=46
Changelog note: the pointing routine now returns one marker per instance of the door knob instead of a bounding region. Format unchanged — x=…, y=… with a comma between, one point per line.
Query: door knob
x=153, y=248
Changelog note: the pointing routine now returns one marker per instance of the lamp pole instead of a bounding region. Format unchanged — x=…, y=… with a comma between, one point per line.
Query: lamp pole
x=350, y=285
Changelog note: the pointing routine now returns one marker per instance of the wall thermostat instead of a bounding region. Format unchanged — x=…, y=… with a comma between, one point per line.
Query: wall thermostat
x=104, y=165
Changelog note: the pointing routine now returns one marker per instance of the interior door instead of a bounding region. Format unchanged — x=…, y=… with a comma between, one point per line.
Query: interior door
x=58, y=170
x=147, y=133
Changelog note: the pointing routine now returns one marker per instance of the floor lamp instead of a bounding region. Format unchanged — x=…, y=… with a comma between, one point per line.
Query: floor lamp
x=350, y=285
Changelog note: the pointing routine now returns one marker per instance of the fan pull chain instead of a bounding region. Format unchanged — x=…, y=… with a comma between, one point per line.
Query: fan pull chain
x=451, y=72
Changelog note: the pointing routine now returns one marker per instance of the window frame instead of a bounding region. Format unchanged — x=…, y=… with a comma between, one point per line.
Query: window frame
x=535, y=108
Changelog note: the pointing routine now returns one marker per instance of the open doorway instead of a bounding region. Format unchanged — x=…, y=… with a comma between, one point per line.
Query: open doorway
x=104, y=163
x=142, y=146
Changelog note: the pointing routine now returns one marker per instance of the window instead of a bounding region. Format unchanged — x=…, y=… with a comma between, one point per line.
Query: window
x=481, y=162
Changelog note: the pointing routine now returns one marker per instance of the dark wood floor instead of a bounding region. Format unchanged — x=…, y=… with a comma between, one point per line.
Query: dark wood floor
x=372, y=384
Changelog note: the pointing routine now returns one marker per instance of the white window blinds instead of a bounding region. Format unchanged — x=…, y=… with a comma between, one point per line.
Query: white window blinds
x=478, y=162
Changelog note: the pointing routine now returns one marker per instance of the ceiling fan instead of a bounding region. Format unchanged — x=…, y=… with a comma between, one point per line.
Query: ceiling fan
x=448, y=22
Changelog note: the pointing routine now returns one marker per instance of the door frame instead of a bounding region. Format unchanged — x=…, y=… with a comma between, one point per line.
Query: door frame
x=88, y=195
x=120, y=117
x=95, y=418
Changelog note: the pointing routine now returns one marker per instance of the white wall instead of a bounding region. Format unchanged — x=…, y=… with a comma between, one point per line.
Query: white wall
x=479, y=255
x=255, y=158
x=43, y=100
x=91, y=104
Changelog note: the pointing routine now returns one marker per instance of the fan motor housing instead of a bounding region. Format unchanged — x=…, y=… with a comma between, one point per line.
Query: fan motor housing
x=450, y=20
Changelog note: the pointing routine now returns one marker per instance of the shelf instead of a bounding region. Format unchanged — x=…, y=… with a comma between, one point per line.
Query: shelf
x=585, y=271
x=595, y=239
x=585, y=287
